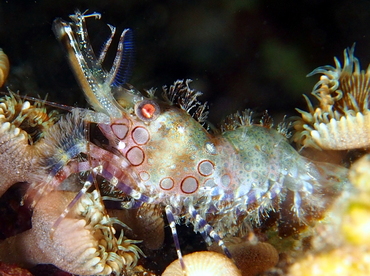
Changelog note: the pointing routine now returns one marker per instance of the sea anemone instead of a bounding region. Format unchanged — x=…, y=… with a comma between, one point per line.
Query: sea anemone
x=83, y=242
x=4, y=67
x=146, y=224
x=22, y=125
x=342, y=119
x=203, y=263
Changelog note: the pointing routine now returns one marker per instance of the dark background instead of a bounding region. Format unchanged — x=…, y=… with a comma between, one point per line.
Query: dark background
x=241, y=54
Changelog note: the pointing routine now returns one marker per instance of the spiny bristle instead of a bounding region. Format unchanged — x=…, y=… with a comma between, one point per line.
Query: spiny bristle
x=181, y=95
x=63, y=142
x=246, y=118
x=266, y=120
x=236, y=120
x=284, y=127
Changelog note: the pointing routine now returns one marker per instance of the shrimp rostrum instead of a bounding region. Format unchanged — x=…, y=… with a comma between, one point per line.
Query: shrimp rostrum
x=158, y=151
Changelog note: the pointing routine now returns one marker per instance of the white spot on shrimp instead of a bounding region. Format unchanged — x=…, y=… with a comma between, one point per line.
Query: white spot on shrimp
x=181, y=129
x=144, y=175
x=247, y=166
x=211, y=148
x=225, y=180
x=121, y=145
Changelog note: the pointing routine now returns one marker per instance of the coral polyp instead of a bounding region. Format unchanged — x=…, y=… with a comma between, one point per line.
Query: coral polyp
x=83, y=243
x=251, y=258
x=33, y=120
x=203, y=263
x=4, y=67
x=22, y=126
x=342, y=120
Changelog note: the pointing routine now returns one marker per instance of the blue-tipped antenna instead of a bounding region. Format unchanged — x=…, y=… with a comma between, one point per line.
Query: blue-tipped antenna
x=123, y=63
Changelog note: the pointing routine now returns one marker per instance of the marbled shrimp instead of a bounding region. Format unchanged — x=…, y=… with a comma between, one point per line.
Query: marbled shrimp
x=156, y=152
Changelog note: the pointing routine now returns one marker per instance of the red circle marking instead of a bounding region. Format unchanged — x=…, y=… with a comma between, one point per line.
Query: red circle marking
x=135, y=155
x=120, y=130
x=206, y=168
x=189, y=185
x=167, y=183
x=140, y=135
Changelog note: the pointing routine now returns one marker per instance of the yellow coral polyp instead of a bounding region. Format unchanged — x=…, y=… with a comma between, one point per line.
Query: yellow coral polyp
x=343, y=261
x=356, y=219
x=356, y=224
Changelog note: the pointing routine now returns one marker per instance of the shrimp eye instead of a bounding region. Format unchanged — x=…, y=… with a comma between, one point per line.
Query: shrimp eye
x=147, y=110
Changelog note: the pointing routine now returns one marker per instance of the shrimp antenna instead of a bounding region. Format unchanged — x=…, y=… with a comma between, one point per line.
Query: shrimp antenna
x=123, y=63
x=33, y=99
